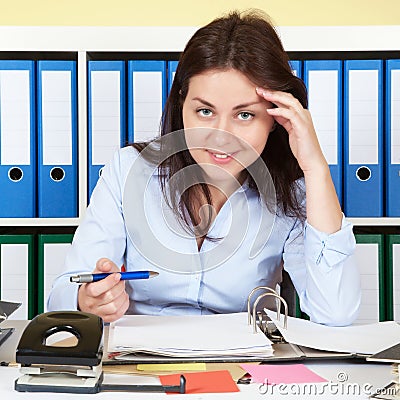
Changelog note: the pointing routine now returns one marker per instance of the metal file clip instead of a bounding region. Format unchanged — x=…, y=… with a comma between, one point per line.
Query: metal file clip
x=261, y=322
x=267, y=288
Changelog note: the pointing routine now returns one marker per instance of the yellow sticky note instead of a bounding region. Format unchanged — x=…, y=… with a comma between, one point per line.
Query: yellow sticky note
x=172, y=367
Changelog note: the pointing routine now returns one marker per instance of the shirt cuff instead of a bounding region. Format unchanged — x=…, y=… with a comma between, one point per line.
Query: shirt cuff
x=64, y=295
x=329, y=249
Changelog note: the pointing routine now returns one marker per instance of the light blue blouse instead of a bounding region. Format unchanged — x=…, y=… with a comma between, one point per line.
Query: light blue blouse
x=140, y=232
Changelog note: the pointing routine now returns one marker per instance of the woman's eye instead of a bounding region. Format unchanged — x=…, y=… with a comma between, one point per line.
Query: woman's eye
x=245, y=116
x=205, y=112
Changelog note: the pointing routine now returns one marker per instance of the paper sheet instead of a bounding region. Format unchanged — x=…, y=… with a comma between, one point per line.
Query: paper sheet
x=234, y=369
x=172, y=367
x=188, y=336
x=204, y=382
x=360, y=339
x=287, y=373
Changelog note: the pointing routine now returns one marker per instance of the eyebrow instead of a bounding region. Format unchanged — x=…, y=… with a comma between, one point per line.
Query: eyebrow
x=244, y=105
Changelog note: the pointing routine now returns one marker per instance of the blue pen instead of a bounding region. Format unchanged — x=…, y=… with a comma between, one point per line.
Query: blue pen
x=125, y=276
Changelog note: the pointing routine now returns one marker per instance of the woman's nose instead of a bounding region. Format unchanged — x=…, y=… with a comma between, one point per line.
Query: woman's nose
x=224, y=125
x=221, y=137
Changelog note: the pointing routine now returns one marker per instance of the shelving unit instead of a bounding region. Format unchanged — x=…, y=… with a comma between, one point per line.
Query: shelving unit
x=102, y=43
x=37, y=42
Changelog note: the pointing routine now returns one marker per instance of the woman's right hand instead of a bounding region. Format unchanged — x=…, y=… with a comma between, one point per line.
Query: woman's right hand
x=106, y=298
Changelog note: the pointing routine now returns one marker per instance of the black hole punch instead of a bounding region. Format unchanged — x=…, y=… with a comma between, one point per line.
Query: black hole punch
x=15, y=174
x=100, y=171
x=363, y=173
x=57, y=174
x=67, y=316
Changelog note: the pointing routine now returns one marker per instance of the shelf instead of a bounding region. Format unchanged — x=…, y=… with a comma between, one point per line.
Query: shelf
x=171, y=39
x=384, y=221
x=33, y=222
x=81, y=42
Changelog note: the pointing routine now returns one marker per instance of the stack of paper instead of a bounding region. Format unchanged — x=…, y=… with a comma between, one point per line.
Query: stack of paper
x=359, y=339
x=188, y=336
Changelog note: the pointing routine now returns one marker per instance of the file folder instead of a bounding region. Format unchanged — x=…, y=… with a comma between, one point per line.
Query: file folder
x=147, y=93
x=186, y=337
x=292, y=339
x=17, y=139
x=52, y=250
x=57, y=140
x=16, y=273
x=296, y=67
x=172, y=65
x=323, y=79
x=393, y=277
x=363, y=138
x=369, y=256
x=106, y=114
x=392, y=193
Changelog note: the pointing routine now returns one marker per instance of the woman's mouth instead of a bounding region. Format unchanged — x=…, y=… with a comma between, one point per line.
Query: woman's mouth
x=221, y=158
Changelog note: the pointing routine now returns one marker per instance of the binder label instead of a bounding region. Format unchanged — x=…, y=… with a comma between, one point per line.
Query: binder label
x=323, y=104
x=395, y=117
x=367, y=255
x=14, y=276
x=396, y=281
x=147, y=103
x=363, y=117
x=53, y=263
x=105, y=105
x=56, y=118
x=15, y=117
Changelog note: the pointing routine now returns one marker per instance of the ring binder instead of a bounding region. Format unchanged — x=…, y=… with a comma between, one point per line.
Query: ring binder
x=193, y=338
x=270, y=292
x=250, y=296
x=281, y=299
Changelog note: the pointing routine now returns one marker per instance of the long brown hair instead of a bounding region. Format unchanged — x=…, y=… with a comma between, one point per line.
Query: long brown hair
x=248, y=43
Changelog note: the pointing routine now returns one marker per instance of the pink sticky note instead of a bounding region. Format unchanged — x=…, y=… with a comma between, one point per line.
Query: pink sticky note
x=275, y=374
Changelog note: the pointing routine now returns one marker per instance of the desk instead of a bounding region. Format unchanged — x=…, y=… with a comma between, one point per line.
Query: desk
x=348, y=380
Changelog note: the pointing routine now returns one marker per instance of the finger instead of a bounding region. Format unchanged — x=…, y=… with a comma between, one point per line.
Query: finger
x=88, y=294
x=96, y=289
x=109, y=312
x=105, y=265
x=113, y=311
x=112, y=294
x=281, y=99
x=283, y=115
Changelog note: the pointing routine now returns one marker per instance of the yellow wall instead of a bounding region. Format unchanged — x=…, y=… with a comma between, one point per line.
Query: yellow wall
x=195, y=13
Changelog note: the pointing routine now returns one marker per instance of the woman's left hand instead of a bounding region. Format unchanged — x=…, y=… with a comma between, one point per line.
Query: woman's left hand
x=298, y=123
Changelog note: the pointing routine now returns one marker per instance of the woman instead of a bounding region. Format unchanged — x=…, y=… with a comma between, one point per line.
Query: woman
x=197, y=206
